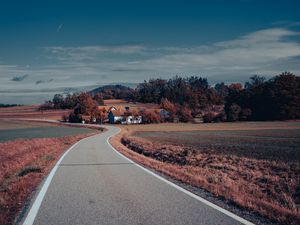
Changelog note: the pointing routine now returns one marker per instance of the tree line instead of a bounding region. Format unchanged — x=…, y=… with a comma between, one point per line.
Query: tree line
x=186, y=97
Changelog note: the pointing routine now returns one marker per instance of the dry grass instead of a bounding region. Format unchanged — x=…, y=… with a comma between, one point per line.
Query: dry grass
x=11, y=124
x=114, y=101
x=133, y=105
x=23, y=165
x=266, y=187
x=212, y=126
x=31, y=112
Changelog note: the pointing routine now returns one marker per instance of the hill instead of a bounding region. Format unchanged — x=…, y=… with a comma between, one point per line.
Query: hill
x=113, y=91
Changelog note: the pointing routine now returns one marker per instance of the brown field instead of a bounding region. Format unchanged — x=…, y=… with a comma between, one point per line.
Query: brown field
x=133, y=105
x=254, y=165
x=31, y=112
x=25, y=162
x=114, y=101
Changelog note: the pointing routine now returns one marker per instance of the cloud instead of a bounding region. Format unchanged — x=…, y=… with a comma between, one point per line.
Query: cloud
x=267, y=52
x=19, y=78
x=43, y=81
x=287, y=23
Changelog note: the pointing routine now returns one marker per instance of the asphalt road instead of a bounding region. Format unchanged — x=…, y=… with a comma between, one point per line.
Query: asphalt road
x=93, y=184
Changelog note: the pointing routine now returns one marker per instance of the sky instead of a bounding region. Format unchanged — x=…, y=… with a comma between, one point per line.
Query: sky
x=49, y=47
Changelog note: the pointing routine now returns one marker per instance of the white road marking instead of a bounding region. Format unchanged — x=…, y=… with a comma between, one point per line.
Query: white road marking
x=38, y=201
x=226, y=212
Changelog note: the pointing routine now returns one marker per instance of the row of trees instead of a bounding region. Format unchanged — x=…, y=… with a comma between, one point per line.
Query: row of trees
x=192, y=92
x=261, y=99
x=71, y=101
x=184, y=98
x=258, y=99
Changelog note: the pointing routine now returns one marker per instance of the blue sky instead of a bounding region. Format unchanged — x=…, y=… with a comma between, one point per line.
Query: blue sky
x=48, y=47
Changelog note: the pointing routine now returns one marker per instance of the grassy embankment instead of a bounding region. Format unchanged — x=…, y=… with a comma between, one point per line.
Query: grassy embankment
x=25, y=162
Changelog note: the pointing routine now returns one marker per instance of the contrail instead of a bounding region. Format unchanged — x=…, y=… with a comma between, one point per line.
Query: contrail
x=59, y=27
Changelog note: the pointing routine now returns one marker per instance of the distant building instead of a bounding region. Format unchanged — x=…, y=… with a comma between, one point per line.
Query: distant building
x=123, y=115
x=115, y=116
x=132, y=120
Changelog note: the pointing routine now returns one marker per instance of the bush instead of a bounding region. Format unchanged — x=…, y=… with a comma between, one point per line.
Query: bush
x=75, y=118
x=209, y=117
x=29, y=169
x=150, y=116
x=184, y=114
x=65, y=118
x=245, y=114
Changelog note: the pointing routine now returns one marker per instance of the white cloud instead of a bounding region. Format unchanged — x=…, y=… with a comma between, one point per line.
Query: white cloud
x=266, y=52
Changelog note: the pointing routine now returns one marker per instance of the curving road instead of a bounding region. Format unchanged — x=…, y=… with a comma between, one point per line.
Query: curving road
x=94, y=184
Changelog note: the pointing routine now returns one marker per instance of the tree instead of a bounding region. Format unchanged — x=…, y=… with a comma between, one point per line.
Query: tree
x=99, y=98
x=255, y=81
x=75, y=118
x=58, y=101
x=222, y=91
x=85, y=105
x=100, y=115
x=169, y=107
x=236, y=86
x=150, y=116
x=234, y=112
x=209, y=117
x=184, y=114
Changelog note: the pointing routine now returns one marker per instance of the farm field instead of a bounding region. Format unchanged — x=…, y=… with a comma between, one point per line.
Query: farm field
x=29, y=130
x=253, y=165
x=269, y=144
x=119, y=103
x=28, y=150
x=31, y=112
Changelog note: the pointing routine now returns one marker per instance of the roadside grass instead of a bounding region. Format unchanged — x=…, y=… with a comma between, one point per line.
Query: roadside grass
x=24, y=163
x=264, y=186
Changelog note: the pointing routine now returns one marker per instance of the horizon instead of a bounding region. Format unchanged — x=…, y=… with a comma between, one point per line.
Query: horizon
x=54, y=47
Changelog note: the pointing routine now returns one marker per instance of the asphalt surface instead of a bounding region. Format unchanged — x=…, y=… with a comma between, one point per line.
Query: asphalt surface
x=95, y=185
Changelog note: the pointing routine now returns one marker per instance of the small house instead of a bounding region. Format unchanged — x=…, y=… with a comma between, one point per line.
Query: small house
x=115, y=116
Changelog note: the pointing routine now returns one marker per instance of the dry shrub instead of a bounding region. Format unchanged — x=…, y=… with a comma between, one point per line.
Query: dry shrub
x=266, y=187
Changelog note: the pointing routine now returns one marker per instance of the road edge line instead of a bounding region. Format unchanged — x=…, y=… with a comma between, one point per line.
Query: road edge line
x=206, y=202
x=29, y=220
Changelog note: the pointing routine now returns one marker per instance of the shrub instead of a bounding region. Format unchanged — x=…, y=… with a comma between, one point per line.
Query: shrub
x=184, y=114
x=209, y=117
x=29, y=169
x=75, y=118
x=65, y=118
x=150, y=116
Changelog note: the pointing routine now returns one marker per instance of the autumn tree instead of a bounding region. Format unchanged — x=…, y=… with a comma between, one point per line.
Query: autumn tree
x=99, y=98
x=184, y=114
x=85, y=104
x=150, y=116
x=169, y=107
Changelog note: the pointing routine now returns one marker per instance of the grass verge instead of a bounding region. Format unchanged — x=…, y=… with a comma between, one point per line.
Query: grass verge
x=23, y=165
x=262, y=186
